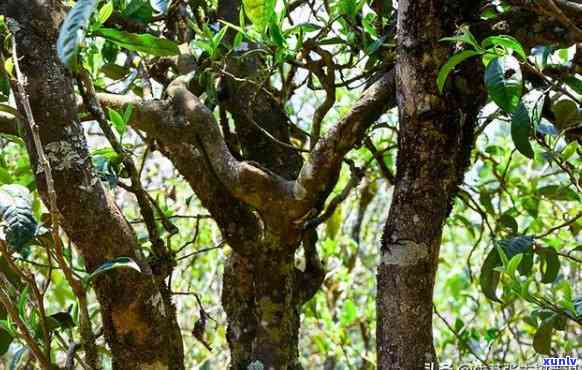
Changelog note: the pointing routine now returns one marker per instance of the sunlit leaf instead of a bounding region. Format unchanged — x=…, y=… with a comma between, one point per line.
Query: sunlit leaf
x=504, y=82
x=117, y=263
x=160, y=6
x=349, y=312
x=105, y=12
x=506, y=41
x=260, y=12
x=453, y=61
x=73, y=30
x=117, y=120
x=145, y=42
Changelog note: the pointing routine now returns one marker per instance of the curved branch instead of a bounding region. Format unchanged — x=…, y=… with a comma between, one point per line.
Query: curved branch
x=319, y=173
x=248, y=183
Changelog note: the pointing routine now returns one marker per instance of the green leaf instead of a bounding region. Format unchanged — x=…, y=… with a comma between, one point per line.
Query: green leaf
x=466, y=38
x=504, y=82
x=558, y=192
x=139, y=10
x=105, y=12
x=509, y=222
x=514, y=263
x=145, y=42
x=127, y=113
x=116, y=263
x=117, y=121
x=543, y=337
x=550, y=264
x=73, y=29
x=5, y=336
x=526, y=264
x=114, y=71
x=260, y=12
x=302, y=27
x=349, y=312
x=526, y=116
x=276, y=35
x=574, y=83
x=450, y=65
x=578, y=306
x=5, y=341
x=489, y=277
x=60, y=320
x=506, y=41
x=160, y=6
x=566, y=112
x=16, y=212
x=22, y=299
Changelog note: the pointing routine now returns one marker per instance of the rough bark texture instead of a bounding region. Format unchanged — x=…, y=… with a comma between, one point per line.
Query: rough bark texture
x=435, y=141
x=138, y=317
x=260, y=198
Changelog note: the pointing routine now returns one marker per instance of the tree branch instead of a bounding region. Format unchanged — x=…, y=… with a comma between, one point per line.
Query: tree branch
x=253, y=185
x=319, y=173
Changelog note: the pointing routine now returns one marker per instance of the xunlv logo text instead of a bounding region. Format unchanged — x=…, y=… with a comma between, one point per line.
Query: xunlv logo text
x=560, y=361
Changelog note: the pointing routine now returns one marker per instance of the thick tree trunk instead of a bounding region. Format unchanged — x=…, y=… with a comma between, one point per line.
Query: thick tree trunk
x=262, y=298
x=139, y=319
x=435, y=141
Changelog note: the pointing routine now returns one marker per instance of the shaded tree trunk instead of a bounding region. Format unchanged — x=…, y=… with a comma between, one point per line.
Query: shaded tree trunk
x=263, y=298
x=263, y=315
x=435, y=142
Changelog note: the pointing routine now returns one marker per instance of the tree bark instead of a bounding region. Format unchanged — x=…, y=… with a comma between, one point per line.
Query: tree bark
x=139, y=319
x=263, y=316
x=435, y=141
x=263, y=296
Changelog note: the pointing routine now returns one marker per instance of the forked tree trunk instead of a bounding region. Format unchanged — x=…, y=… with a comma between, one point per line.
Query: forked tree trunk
x=435, y=141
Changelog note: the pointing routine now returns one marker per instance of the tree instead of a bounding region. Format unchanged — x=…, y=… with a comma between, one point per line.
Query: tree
x=436, y=139
x=216, y=90
x=264, y=196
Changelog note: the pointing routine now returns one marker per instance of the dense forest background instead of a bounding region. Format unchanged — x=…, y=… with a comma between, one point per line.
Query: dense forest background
x=174, y=130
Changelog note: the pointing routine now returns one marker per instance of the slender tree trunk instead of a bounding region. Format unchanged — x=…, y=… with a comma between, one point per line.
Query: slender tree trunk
x=435, y=141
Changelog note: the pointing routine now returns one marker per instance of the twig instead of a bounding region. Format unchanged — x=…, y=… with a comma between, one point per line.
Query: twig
x=70, y=361
x=558, y=227
x=557, y=13
x=138, y=221
x=389, y=176
x=456, y=334
x=35, y=349
x=85, y=323
x=357, y=175
x=94, y=107
x=200, y=251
